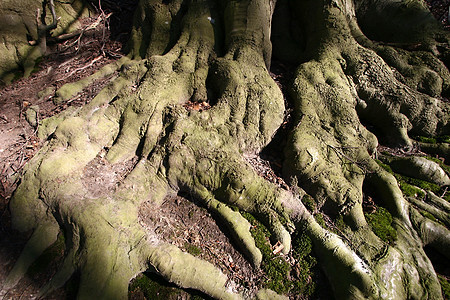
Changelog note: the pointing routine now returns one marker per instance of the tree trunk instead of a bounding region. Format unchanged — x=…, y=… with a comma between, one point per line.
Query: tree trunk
x=364, y=71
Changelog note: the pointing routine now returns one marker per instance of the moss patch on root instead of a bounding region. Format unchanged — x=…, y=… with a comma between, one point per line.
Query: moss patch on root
x=152, y=287
x=282, y=277
x=381, y=223
x=304, y=270
x=445, y=285
x=411, y=187
x=192, y=249
x=276, y=267
x=433, y=140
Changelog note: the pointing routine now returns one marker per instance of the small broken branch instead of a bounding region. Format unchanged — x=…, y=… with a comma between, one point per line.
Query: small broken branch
x=81, y=68
x=66, y=36
x=42, y=28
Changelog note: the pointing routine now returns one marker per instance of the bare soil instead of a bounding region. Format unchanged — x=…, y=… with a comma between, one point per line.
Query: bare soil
x=68, y=61
x=193, y=229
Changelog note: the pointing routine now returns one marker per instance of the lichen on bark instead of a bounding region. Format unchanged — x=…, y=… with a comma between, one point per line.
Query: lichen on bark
x=19, y=30
x=348, y=76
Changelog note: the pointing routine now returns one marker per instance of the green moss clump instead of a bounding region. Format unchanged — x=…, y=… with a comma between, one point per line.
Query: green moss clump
x=320, y=220
x=282, y=278
x=340, y=224
x=309, y=203
x=276, y=268
x=424, y=139
x=381, y=223
x=409, y=190
x=192, y=249
x=428, y=215
x=445, y=286
x=152, y=287
x=419, y=183
x=409, y=185
x=384, y=166
x=433, y=140
x=444, y=139
x=306, y=262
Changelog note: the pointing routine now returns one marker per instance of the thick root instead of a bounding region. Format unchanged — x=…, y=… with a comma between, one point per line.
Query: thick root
x=188, y=271
x=240, y=228
x=140, y=121
x=42, y=238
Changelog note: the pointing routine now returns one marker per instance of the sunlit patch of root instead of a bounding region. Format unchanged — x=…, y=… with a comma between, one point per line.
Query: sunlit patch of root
x=431, y=232
x=70, y=90
x=187, y=271
x=240, y=229
x=431, y=209
x=410, y=266
x=438, y=201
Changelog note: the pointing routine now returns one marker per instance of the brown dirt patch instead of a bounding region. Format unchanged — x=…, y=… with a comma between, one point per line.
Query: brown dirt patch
x=100, y=177
x=68, y=61
x=177, y=220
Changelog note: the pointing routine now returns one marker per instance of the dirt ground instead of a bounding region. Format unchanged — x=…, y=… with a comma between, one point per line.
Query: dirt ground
x=184, y=224
x=68, y=61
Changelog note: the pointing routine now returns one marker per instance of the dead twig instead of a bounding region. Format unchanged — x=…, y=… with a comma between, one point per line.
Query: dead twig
x=81, y=68
x=66, y=36
x=80, y=32
x=445, y=191
x=361, y=164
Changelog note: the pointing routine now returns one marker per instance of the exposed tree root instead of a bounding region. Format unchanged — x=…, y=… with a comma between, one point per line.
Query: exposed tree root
x=174, y=51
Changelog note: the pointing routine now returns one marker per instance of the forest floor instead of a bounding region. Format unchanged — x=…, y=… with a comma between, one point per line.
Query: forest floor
x=72, y=60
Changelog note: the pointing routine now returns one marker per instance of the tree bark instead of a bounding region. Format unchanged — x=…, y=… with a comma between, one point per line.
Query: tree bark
x=364, y=71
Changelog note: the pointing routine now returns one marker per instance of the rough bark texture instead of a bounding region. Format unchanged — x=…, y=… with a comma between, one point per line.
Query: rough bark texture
x=377, y=63
x=18, y=30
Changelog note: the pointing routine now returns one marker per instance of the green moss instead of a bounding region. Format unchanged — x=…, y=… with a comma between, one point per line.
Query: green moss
x=381, y=223
x=152, y=286
x=424, y=139
x=419, y=183
x=276, y=268
x=320, y=220
x=444, y=139
x=309, y=202
x=192, y=249
x=433, y=140
x=151, y=289
x=409, y=185
x=306, y=262
x=384, y=166
x=340, y=224
x=445, y=285
x=409, y=190
x=278, y=271
x=428, y=215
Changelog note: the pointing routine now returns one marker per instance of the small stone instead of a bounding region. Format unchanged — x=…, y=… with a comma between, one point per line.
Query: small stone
x=31, y=115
